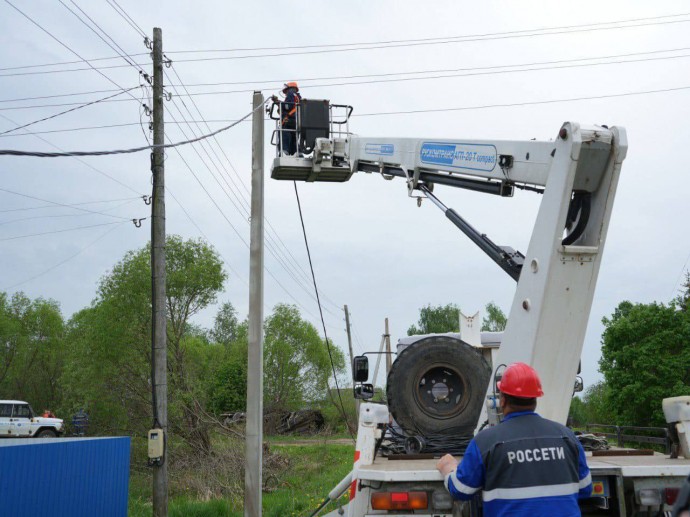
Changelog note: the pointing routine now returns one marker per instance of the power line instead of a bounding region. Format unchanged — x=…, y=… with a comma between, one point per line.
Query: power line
x=127, y=18
x=71, y=205
x=102, y=173
x=64, y=45
x=56, y=231
x=514, y=104
x=186, y=213
x=66, y=111
x=56, y=216
x=273, y=238
x=208, y=194
x=120, y=52
x=10, y=152
x=467, y=72
x=390, y=43
x=323, y=323
x=55, y=266
x=438, y=38
x=374, y=114
x=270, y=245
x=63, y=204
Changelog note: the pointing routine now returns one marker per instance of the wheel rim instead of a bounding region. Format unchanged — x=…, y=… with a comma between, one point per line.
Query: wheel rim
x=441, y=392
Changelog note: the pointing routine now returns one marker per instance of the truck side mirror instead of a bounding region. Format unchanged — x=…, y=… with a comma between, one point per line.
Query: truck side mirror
x=579, y=385
x=364, y=391
x=360, y=368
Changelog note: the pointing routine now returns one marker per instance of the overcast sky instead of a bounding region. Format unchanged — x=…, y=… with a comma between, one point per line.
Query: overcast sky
x=373, y=249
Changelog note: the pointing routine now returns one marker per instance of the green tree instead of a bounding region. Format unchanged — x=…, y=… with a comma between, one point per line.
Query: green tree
x=227, y=388
x=437, y=319
x=31, y=350
x=225, y=325
x=495, y=319
x=110, y=360
x=297, y=366
x=645, y=358
x=596, y=404
x=683, y=299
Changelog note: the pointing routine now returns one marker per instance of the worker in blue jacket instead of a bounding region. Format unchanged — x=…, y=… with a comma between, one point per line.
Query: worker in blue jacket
x=288, y=113
x=525, y=466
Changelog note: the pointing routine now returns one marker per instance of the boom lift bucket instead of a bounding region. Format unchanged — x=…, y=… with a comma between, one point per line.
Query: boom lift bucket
x=323, y=138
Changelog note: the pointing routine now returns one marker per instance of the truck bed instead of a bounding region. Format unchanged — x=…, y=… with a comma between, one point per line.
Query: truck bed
x=657, y=464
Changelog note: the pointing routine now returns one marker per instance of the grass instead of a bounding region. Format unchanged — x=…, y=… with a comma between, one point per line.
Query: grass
x=314, y=469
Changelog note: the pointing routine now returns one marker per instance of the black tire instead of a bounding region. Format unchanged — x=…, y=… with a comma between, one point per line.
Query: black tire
x=46, y=433
x=437, y=386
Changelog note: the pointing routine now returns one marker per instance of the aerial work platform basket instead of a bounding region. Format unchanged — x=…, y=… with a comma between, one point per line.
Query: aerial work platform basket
x=322, y=136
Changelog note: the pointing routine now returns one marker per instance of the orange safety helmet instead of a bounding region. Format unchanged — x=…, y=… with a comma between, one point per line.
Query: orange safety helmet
x=520, y=380
x=291, y=84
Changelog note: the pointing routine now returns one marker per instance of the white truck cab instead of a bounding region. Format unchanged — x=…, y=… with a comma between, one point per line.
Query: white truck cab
x=18, y=420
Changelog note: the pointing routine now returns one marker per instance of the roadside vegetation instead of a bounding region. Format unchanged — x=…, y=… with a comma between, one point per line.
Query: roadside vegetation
x=99, y=360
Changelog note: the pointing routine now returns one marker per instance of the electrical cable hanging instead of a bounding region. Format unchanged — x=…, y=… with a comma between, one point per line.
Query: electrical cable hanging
x=323, y=323
x=9, y=152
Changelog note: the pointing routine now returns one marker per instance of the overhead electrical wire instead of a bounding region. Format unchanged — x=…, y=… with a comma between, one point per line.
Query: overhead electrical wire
x=244, y=215
x=99, y=171
x=65, y=112
x=323, y=323
x=56, y=216
x=515, y=104
x=58, y=264
x=68, y=205
x=130, y=21
x=56, y=203
x=467, y=72
x=274, y=242
x=365, y=76
x=373, y=114
x=65, y=46
x=546, y=31
x=57, y=231
x=9, y=152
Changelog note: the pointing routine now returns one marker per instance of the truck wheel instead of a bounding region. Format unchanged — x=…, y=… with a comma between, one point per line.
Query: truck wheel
x=437, y=386
x=46, y=433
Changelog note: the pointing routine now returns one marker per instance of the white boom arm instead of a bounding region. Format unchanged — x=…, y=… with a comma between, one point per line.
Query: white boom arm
x=578, y=172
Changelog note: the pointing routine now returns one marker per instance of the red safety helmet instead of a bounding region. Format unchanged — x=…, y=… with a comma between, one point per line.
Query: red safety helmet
x=520, y=380
x=291, y=84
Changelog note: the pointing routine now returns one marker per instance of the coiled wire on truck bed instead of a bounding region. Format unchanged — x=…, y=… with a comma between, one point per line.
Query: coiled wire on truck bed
x=397, y=442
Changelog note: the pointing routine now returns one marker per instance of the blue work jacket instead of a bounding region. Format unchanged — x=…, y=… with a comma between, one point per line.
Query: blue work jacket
x=527, y=465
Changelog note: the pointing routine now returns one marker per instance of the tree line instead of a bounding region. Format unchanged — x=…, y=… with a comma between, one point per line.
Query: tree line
x=100, y=358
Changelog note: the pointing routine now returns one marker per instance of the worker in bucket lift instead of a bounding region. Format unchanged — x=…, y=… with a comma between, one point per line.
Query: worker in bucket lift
x=288, y=113
x=527, y=465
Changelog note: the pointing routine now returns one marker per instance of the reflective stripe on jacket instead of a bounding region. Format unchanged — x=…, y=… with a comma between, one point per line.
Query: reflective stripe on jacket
x=527, y=465
x=289, y=105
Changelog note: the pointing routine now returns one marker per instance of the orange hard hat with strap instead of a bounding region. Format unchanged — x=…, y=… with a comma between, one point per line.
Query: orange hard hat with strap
x=291, y=84
x=520, y=380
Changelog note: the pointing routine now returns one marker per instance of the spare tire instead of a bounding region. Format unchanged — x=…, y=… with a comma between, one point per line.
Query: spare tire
x=437, y=385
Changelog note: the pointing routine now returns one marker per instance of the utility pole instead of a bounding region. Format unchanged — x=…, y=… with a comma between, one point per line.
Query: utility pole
x=389, y=359
x=159, y=320
x=349, y=344
x=255, y=367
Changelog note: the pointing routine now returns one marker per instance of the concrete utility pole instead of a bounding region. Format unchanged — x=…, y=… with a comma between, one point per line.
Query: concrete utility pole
x=158, y=326
x=255, y=367
x=349, y=344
